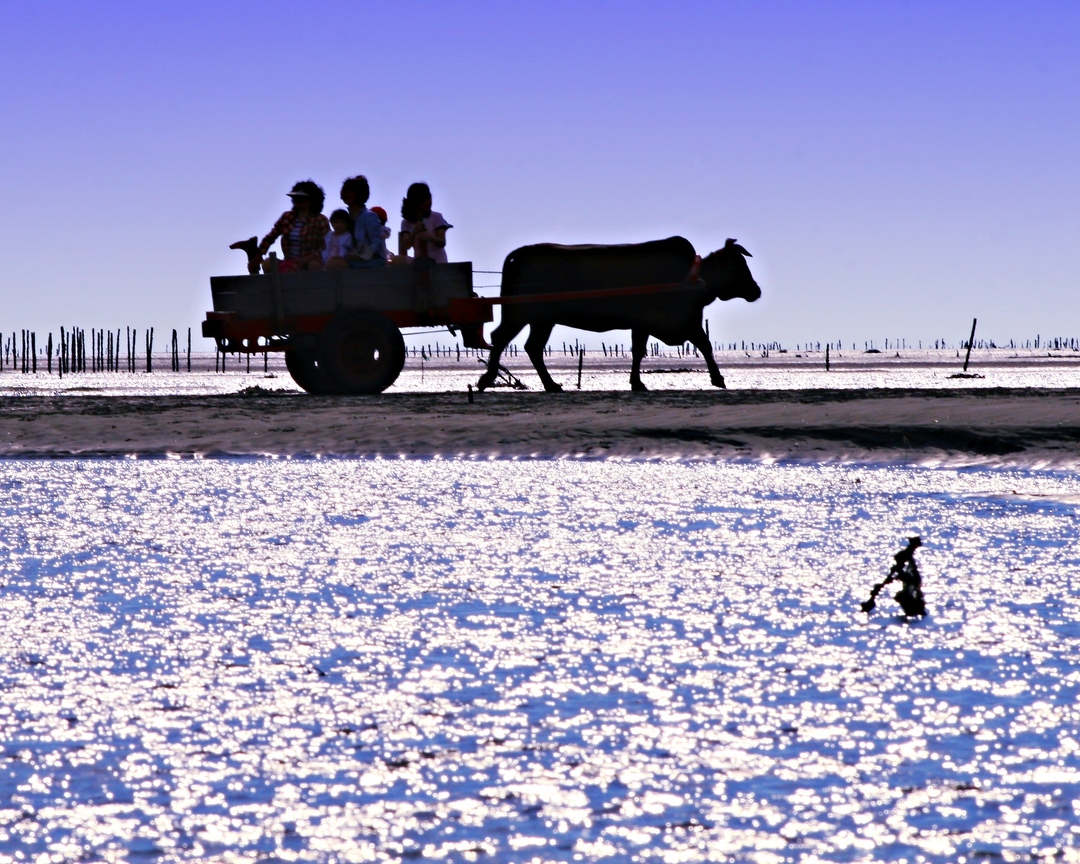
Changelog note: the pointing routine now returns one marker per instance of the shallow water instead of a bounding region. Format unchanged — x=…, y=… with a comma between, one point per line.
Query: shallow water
x=450, y=372
x=534, y=660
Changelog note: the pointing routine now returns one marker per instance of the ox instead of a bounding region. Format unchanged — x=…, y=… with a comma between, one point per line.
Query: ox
x=672, y=316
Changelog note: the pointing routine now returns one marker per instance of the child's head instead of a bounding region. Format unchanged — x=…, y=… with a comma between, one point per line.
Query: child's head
x=378, y=211
x=340, y=221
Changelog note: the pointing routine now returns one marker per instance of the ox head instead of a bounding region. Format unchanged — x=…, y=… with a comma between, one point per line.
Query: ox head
x=727, y=274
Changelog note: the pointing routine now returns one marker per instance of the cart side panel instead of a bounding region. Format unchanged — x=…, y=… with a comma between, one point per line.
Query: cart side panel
x=223, y=290
x=334, y=291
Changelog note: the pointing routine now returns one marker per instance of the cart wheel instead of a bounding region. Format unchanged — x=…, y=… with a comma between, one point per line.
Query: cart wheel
x=361, y=352
x=306, y=372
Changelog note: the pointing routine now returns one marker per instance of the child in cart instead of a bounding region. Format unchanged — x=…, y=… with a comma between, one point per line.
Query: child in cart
x=339, y=242
x=381, y=213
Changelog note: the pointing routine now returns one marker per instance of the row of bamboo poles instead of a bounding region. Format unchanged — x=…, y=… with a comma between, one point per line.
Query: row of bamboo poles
x=74, y=351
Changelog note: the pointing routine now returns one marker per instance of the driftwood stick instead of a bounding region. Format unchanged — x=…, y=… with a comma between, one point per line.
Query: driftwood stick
x=903, y=570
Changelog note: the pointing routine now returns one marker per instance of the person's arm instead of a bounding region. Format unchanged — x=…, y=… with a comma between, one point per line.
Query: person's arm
x=321, y=232
x=404, y=240
x=282, y=226
x=438, y=238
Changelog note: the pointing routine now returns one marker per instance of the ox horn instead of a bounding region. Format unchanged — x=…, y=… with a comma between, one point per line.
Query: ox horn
x=730, y=243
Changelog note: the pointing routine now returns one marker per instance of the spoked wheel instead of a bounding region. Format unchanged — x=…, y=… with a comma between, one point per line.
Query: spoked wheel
x=361, y=352
x=305, y=370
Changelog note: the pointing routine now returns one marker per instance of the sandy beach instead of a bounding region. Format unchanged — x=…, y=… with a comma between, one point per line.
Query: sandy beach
x=1023, y=427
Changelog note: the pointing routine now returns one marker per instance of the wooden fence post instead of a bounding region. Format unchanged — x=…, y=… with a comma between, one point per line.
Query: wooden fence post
x=971, y=339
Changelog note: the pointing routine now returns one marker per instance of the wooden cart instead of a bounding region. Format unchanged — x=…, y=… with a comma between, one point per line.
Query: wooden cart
x=341, y=329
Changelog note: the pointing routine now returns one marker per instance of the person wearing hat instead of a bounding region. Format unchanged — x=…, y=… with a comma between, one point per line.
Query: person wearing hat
x=302, y=229
x=381, y=213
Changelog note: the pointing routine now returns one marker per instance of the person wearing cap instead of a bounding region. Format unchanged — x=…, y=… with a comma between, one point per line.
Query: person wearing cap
x=302, y=229
x=381, y=213
x=369, y=245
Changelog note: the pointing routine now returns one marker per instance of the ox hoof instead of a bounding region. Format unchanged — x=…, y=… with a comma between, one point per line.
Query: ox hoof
x=485, y=382
x=553, y=387
x=719, y=382
x=638, y=387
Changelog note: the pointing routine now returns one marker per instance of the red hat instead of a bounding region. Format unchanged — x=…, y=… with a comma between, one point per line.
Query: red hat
x=378, y=211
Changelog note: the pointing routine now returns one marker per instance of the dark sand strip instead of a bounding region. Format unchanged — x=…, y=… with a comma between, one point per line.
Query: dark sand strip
x=1026, y=427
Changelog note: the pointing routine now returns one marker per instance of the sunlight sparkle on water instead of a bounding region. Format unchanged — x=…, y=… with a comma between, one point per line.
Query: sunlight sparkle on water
x=359, y=660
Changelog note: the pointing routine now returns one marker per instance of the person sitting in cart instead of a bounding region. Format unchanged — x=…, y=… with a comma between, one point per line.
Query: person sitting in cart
x=339, y=242
x=302, y=230
x=422, y=229
x=381, y=213
x=369, y=247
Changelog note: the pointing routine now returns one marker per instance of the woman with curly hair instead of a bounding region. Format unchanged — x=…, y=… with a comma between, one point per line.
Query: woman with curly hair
x=302, y=229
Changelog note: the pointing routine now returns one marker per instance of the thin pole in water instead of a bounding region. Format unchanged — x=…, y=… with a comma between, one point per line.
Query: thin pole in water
x=580, y=363
x=971, y=340
x=826, y=358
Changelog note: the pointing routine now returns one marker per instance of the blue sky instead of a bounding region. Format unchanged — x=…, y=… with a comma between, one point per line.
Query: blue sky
x=895, y=169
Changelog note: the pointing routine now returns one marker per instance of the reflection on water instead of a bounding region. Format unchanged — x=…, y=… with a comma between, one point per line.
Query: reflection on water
x=362, y=660
x=451, y=372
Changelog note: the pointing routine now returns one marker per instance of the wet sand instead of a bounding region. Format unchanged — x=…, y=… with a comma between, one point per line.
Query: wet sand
x=1022, y=427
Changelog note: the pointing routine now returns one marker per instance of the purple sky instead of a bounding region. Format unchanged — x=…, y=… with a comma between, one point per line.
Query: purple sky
x=894, y=168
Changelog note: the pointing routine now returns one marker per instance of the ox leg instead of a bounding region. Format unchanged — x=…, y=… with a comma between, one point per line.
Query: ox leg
x=701, y=342
x=534, y=347
x=639, y=342
x=500, y=338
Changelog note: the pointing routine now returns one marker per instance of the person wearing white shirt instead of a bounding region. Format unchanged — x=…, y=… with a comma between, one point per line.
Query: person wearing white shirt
x=339, y=242
x=423, y=231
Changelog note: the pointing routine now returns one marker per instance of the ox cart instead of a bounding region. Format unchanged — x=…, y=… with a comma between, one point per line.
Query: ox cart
x=340, y=330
